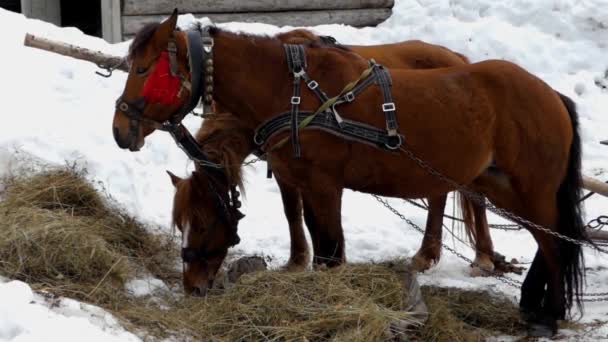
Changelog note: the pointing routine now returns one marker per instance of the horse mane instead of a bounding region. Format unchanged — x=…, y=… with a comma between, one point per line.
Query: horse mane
x=187, y=202
x=141, y=39
x=226, y=140
x=309, y=38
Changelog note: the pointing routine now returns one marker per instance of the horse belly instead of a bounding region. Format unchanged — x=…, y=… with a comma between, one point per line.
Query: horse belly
x=396, y=175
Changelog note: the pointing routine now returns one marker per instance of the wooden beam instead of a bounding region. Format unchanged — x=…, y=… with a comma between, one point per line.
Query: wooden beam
x=74, y=51
x=355, y=17
x=110, y=21
x=139, y=7
x=598, y=235
x=595, y=185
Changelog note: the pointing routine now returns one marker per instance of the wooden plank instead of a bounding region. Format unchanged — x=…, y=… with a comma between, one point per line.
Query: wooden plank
x=74, y=51
x=110, y=21
x=598, y=235
x=47, y=10
x=139, y=7
x=356, y=17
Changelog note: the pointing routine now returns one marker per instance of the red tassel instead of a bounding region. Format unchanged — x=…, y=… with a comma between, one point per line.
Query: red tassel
x=161, y=87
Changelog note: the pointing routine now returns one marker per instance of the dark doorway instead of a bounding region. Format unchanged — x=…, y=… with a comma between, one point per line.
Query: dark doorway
x=85, y=15
x=11, y=5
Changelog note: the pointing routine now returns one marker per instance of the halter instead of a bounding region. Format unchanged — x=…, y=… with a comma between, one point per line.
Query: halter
x=230, y=216
x=200, y=86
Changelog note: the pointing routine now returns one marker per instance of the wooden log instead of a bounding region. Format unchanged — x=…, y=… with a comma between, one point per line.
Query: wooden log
x=598, y=235
x=595, y=185
x=138, y=7
x=77, y=52
x=354, y=17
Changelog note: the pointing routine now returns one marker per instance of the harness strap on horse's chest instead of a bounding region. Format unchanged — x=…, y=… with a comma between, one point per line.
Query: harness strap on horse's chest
x=296, y=61
x=383, y=79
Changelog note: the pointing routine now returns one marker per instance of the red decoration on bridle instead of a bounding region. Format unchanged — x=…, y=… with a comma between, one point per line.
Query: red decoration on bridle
x=162, y=87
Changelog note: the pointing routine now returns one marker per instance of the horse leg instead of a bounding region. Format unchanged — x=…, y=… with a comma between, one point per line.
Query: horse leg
x=430, y=250
x=484, y=248
x=323, y=208
x=292, y=205
x=533, y=288
x=312, y=225
x=543, y=307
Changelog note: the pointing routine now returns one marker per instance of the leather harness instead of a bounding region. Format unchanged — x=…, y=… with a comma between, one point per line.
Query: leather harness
x=200, y=86
x=331, y=121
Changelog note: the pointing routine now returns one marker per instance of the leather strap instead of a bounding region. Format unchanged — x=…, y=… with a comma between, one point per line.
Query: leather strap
x=296, y=62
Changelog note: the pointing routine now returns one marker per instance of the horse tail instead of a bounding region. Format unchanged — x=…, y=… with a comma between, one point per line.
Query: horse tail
x=570, y=221
x=466, y=210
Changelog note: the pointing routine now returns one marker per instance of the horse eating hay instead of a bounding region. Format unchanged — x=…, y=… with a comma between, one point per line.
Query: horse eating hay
x=491, y=126
x=225, y=141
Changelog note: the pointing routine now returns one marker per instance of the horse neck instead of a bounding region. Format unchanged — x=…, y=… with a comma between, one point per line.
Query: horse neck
x=251, y=76
x=226, y=141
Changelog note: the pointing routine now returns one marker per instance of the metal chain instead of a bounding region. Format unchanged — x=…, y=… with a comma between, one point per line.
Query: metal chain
x=509, y=281
x=512, y=282
x=253, y=161
x=481, y=200
x=598, y=223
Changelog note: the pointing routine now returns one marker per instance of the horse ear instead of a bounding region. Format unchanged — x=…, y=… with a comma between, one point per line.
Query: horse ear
x=165, y=30
x=174, y=178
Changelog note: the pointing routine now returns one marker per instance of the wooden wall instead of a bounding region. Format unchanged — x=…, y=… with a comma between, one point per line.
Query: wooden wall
x=136, y=13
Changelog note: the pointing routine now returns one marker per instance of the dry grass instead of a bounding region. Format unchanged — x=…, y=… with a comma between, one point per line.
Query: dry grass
x=355, y=303
x=468, y=315
x=60, y=234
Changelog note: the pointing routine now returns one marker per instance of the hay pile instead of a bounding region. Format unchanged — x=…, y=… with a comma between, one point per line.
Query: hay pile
x=352, y=303
x=58, y=232
x=468, y=315
x=61, y=235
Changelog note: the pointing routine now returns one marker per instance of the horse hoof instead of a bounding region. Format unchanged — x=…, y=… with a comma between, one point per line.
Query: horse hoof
x=294, y=266
x=420, y=263
x=541, y=330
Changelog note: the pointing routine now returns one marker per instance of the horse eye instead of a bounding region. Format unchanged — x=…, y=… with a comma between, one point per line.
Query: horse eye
x=141, y=70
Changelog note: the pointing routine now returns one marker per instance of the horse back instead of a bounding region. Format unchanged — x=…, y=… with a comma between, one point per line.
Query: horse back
x=412, y=54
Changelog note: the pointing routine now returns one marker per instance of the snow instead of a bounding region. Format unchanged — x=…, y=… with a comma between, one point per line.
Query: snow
x=56, y=109
x=25, y=316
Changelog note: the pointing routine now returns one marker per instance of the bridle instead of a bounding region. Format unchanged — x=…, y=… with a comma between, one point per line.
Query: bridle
x=200, y=86
x=229, y=216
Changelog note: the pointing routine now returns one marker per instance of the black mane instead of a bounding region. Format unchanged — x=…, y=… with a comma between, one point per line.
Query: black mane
x=141, y=39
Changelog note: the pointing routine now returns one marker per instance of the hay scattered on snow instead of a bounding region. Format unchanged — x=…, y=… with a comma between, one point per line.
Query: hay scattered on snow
x=468, y=315
x=353, y=302
x=58, y=233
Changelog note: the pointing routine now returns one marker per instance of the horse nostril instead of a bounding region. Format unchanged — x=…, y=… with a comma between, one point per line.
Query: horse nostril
x=199, y=292
x=119, y=141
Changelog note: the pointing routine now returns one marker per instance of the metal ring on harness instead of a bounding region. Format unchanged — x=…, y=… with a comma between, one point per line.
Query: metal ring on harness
x=256, y=139
x=396, y=139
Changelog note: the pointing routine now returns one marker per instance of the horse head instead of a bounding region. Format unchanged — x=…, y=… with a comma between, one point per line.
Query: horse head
x=169, y=71
x=205, y=210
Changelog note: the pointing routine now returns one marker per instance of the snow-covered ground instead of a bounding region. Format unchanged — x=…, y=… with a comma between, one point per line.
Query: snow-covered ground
x=58, y=110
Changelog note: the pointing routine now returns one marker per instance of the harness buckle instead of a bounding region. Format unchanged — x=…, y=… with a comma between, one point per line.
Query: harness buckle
x=295, y=100
x=312, y=85
x=350, y=96
x=299, y=73
x=388, y=107
x=207, y=43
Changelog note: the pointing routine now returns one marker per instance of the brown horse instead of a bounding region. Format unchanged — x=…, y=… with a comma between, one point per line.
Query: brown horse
x=491, y=126
x=225, y=140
